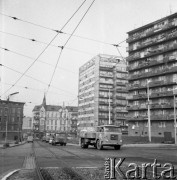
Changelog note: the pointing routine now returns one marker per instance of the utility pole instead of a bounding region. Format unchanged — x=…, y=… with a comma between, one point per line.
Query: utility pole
x=149, y=116
x=109, y=108
x=175, y=117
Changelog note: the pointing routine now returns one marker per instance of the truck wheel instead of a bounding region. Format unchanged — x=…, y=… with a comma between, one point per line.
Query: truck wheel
x=98, y=145
x=117, y=147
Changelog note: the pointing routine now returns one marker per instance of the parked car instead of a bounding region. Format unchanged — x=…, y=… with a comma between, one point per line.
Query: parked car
x=60, y=138
x=43, y=138
x=30, y=139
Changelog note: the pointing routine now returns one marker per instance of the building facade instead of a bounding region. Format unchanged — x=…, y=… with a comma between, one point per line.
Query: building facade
x=153, y=73
x=11, y=119
x=27, y=126
x=53, y=119
x=102, y=92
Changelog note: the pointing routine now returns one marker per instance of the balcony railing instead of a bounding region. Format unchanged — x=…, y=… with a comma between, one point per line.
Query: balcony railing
x=152, y=52
x=153, y=73
x=153, y=41
x=146, y=34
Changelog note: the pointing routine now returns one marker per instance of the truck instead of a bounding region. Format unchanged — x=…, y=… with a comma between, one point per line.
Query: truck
x=60, y=138
x=104, y=135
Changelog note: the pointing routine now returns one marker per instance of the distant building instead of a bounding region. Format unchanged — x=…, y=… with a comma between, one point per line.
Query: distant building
x=27, y=126
x=11, y=116
x=53, y=119
x=153, y=65
x=102, y=78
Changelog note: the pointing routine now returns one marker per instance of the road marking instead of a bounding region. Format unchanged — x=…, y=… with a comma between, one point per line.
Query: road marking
x=9, y=174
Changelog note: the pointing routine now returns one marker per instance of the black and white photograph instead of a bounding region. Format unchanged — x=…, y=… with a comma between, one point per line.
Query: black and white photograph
x=88, y=89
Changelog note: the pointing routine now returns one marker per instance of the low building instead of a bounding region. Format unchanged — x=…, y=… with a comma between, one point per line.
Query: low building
x=53, y=119
x=27, y=126
x=11, y=119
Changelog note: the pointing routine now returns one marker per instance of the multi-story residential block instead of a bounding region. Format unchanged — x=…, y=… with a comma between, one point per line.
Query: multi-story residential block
x=53, y=119
x=11, y=118
x=153, y=73
x=102, y=92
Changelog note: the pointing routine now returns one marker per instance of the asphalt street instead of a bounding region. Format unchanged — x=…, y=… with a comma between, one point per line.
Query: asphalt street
x=74, y=156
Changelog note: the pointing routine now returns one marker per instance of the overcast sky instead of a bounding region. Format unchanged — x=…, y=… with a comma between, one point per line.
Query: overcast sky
x=107, y=21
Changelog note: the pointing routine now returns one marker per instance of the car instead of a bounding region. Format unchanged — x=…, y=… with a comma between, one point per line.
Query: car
x=30, y=139
x=50, y=140
x=43, y=138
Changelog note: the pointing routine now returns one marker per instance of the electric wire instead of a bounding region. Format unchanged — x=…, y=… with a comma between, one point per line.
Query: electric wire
x=42, y=82
x=17, y=53
x=29, y=88
x=60, y=31
x=67, y=43
x=44, y=48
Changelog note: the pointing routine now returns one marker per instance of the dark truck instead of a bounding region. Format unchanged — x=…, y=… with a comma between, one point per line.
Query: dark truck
x=60, y=138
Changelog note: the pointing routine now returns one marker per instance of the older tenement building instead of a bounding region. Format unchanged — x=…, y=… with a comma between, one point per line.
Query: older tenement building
x=11, y=119
x=153, y=65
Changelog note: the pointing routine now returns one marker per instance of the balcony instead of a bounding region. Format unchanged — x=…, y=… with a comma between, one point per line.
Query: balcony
x=154, y=41
x=152, y=52
x=152, y=31
x=166, y=70
x=106, y=68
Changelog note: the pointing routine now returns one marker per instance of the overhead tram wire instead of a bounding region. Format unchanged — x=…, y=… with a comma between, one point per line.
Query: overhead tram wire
x=35, y=79
x=41, y=42
x=17, y=53
x=61, y=32
x=29, y=88
x=67, y=43
x=58, y=32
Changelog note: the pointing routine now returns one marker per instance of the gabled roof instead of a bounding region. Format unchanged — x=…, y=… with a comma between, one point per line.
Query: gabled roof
x=55, y=108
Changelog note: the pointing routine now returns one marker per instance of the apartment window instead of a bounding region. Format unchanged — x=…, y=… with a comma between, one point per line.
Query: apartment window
x=55, y=122
x=51, y=122
x=0, y=119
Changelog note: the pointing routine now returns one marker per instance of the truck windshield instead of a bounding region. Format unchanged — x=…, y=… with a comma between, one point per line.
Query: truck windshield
x=112, y=129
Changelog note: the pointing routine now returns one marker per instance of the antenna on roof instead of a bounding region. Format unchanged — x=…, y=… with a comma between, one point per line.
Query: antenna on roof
x=170, y=9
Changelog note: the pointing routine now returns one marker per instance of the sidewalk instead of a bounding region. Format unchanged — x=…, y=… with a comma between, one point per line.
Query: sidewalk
x=152, y=145
x=13, y=144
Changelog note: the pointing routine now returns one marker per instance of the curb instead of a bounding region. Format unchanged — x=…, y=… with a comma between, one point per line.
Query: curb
x=141, y=145
x=9, y=174
x=13, y=145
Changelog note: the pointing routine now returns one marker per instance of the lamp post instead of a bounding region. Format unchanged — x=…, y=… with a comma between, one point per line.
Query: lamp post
x=109, y=108
x=174, y=95
x=8, y=114
x=149, y=115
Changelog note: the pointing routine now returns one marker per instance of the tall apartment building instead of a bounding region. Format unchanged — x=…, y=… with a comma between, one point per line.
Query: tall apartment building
x=102, y=78
x=11, y=116
x=153, y=65
x=53, y=119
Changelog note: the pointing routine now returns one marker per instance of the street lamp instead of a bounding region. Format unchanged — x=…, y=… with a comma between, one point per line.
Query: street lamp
x=109, y=108
x=149, y=116
x=174, y=95
x=8, y=113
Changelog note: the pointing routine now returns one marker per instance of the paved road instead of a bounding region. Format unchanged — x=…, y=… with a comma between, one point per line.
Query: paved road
x=74, y=156
x=13, y=158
